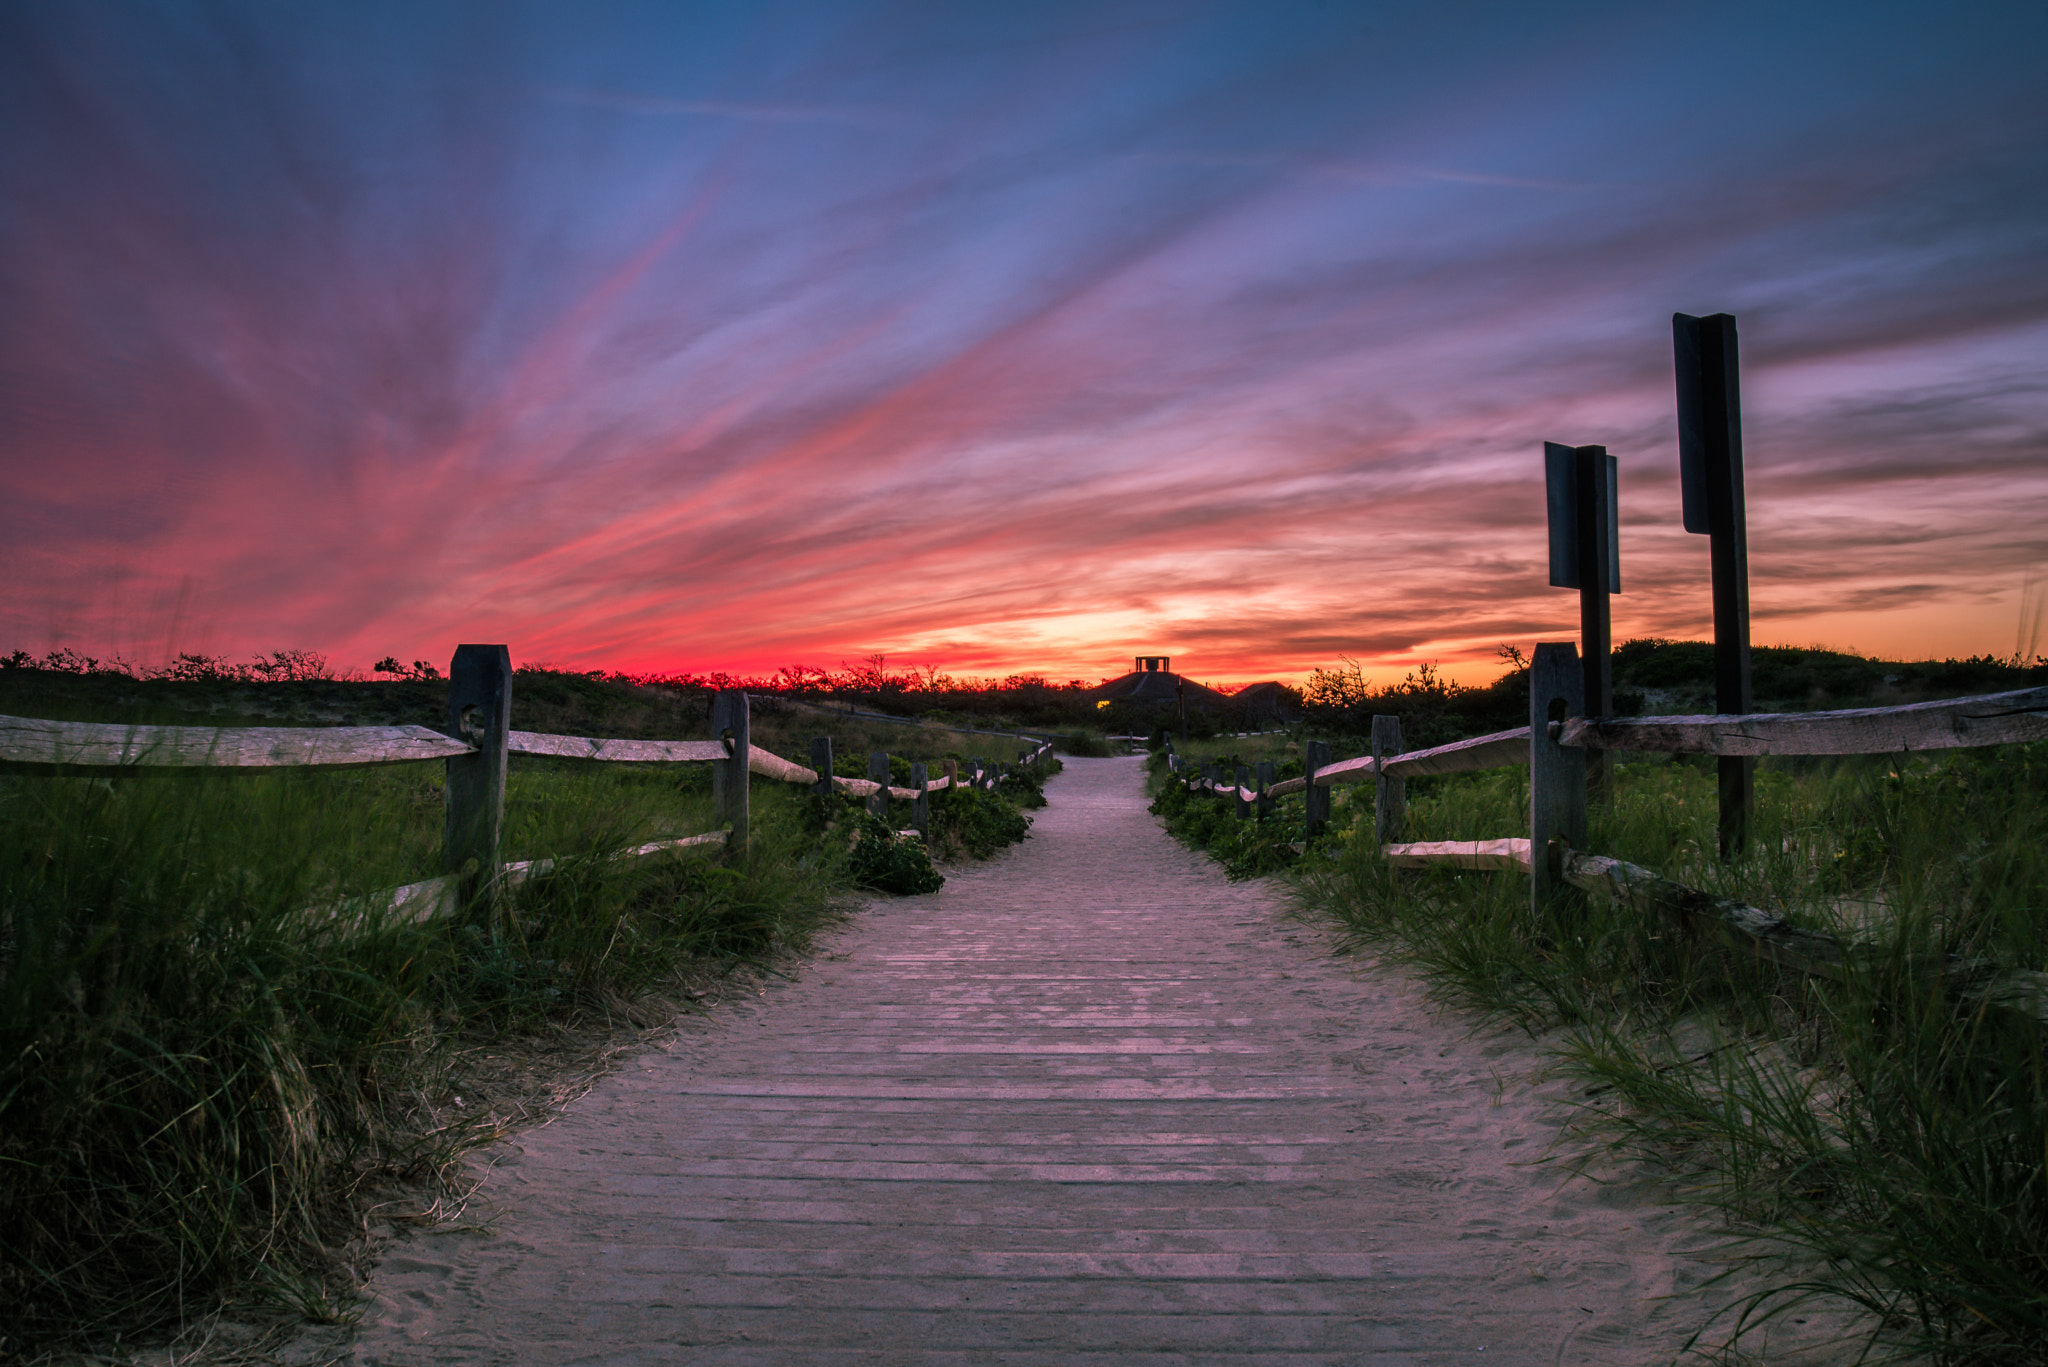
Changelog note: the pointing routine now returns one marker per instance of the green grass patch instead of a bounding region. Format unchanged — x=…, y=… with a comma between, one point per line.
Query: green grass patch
x=1888, y=1134
x=211, y=1054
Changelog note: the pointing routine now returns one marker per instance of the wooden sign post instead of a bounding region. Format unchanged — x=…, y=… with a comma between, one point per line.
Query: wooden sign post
x=1580, y=484
x=479, y=712
x=1710, y=479
x=730, y=776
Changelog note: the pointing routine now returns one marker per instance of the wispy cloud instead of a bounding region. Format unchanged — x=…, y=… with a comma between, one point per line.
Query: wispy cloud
x=1163, y=332
x=628, y=102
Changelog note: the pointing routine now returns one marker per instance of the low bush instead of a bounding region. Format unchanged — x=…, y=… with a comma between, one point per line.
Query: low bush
x=1246, y=847
x=886, y=860
x=1089, y=745
x=975, y=823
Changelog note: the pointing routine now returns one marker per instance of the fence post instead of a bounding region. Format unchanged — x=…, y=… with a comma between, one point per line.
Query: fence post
x=1244, y=781
x=878, y=772
x=729, y=776
x=1265, y=783
x=1557, y=776
x=1315, y=754
x=952, y=772
x=480, y=712
x=821, y=760
x=979, y=770
x=921, y=811
x=1389, y=794
x=1213, y=771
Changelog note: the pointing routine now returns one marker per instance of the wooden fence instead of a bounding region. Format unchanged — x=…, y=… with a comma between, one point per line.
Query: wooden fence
x=476, y=747
x=1555, y=746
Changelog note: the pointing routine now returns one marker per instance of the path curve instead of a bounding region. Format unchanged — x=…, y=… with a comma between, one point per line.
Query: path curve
x=1089, y=1103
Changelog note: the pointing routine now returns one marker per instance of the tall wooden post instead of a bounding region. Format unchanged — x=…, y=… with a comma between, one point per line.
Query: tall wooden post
x=921, y=809
x=878, y=772
x=480, y=712
x=821, y=761
x=1266, y=773
x=1557, y=776
x=1580, y=485
x=1315, y=754
x=729, y=776
x=1389, y=794
x=1710, y=478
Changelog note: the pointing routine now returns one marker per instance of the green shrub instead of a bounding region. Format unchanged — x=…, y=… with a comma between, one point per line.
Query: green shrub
x=884, y=860
x=1247, y=848
x=1089, y=745
x=976, y=822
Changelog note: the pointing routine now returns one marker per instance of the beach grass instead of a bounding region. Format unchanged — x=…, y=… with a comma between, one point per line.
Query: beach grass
x=1885, y=1134
x=219, y=1048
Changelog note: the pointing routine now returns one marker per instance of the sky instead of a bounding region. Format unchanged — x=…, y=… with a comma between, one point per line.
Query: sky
x=1005, y=338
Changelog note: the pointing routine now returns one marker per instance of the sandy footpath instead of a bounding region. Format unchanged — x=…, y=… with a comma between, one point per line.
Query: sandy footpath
x=1089, y=1103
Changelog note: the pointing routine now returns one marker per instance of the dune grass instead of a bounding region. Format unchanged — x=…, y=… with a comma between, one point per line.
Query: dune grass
x=203, y=1068
x=214, y=1047
x=1890, y=1135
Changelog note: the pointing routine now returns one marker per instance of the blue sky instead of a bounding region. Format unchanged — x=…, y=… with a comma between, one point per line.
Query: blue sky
x=1003, y=337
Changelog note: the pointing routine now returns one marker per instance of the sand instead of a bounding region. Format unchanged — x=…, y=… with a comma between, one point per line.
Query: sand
x=1089, y=1103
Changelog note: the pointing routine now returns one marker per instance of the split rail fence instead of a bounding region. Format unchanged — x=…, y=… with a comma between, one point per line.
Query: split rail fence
x=1556, y=745
x=476, y=747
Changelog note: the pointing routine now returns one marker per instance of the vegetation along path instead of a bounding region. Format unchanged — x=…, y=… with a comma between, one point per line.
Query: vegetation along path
x=1088, y=1103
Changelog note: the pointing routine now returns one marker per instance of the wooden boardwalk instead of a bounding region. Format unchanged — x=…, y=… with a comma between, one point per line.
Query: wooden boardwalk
x=1088, y=1104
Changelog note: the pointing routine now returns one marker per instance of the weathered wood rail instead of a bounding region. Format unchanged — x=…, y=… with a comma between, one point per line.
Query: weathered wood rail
x=475, y=748
x=1554, y=746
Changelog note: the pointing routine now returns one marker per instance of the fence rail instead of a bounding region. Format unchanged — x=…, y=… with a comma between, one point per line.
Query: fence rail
x=475, y=746
x=1555, y=751
x=1954, y=723
x=72, y=744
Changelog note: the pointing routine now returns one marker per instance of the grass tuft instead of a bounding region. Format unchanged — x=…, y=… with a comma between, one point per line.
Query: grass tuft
x=1888, y=1134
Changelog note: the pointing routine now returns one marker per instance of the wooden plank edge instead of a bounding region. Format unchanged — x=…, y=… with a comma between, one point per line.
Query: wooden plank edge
x=1952, y=723
x=33, y=742
x=432, y=898
x=2022, y=992
x=614, y=749
x=1509, y=853
x=1497, y=750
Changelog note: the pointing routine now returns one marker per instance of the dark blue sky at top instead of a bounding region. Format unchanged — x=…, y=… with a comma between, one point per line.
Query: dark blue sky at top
x=1001, y=336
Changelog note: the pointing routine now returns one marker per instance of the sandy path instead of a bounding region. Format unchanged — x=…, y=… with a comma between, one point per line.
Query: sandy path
x=1088, y=1103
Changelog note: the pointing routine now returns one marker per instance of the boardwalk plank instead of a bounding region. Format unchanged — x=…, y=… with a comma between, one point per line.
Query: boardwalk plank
x=1089, y=1103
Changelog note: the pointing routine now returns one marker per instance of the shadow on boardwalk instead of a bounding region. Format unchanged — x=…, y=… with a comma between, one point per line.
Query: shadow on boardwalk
x=1088, y=1103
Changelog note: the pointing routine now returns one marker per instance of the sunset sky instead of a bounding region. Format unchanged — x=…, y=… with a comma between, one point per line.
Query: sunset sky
x=1004, y=337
